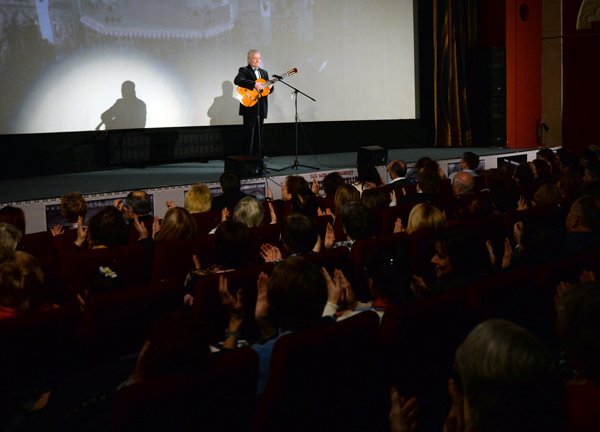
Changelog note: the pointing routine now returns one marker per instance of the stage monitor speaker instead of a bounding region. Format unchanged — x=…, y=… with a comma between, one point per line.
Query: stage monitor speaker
x=372, y=156
x=245, y=166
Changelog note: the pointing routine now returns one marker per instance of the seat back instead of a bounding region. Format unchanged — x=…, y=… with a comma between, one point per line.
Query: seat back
x=323, y=379
x=221, y=398
x=207, y=301
x=173, y=259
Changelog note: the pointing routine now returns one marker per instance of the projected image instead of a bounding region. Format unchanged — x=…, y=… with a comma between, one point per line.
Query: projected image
x=66, y=65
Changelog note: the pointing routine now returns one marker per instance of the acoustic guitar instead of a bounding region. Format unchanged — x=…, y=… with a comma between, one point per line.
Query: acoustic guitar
x=250, y=98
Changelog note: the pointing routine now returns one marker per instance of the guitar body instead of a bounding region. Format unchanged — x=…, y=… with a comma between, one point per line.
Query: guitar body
x=249, y=98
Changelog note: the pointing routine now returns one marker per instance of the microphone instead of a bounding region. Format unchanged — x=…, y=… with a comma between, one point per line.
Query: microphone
x=278, y=76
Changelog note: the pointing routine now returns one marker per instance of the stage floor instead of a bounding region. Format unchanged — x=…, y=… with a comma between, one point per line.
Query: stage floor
x=161, y=176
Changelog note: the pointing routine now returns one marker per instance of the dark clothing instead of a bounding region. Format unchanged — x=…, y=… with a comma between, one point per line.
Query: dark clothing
x=227, y=199
x=253, y=136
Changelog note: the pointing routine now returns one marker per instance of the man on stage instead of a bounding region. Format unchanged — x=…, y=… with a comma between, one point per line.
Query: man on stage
x=254, y=116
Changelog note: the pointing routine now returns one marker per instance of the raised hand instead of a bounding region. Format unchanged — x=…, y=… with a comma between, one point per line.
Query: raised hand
x=81, y=232
x=140, y=228
x=57, y=230
x=455, y=421
x=334, y=290
x=404, y=412
x=329, y=237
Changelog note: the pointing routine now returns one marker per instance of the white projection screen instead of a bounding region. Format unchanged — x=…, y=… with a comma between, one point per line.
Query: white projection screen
x=62, y=62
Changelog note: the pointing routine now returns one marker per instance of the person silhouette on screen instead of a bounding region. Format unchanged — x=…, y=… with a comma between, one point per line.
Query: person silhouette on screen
x=222, y=110
x=128, y=112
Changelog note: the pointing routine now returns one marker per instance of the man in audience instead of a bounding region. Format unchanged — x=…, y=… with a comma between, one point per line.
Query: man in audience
x=72, y=207
x=462, y=183
x=230, y=185
x=582, y=225
x=137, y=203
x=397, y=171
x=468, y=163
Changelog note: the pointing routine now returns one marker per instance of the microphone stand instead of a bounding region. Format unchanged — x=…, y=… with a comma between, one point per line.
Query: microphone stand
x=295, y=165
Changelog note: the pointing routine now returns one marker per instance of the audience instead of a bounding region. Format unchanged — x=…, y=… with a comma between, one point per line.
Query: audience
x=509, y=380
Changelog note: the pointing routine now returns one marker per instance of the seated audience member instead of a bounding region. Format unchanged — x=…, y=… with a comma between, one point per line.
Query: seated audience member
x=367, y=178
x=429, y=186
x=249, y=211
x=197, y=199
x=136, y=203
x=10, y=237
x=547, y=195
x=509, y=383
x=468, y=164
x=549, y=156
x=397, y=171
x=523, y=176
x=14, y=216
x=578, y=327
x=388, y=279
x=357, y=222
x=503, y=190
x=299, y=236
x=424, y=217
x=232, y=252
x=107, y=228
x=291, y=299
x=331, y=182
x=591, y=172
x=230, y=185
x=375, y=199
x=72, y=207
x=460, y=257
x=462, y=183
x=178, y=224
x=569, y=189
x=293, y=185
x=345, y=193
x=582, y=226
x=21, y=286
x=542, y=172
x=568, y=162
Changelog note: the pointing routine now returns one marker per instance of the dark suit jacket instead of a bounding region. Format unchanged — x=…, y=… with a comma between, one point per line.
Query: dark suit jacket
x=246, y=78
x=227, y=199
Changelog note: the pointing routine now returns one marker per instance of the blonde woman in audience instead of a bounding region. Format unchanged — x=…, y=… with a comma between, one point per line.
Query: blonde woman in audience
x=422, y=216
x=344, y=193
x=198, y=198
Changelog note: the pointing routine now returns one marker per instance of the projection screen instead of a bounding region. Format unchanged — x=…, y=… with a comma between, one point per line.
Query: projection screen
x=63, y=62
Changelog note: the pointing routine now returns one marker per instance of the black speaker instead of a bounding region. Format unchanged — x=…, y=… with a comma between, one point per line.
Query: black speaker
x=487, y=98
x=372, y=156
x=245, y=166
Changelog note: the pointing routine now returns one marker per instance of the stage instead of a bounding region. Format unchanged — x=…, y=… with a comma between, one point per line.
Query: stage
x=39, y=196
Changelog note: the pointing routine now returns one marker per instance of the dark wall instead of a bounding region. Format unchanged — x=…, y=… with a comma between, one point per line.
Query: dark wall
x=581, y=69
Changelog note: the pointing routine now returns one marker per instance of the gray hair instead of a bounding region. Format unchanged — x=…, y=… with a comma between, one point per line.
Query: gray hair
x=249, y=211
